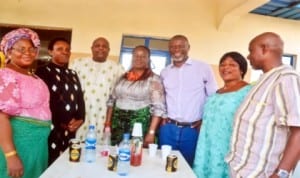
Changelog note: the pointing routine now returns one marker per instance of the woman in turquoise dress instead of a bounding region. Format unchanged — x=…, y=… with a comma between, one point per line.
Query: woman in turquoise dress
x=24, y=109
x=214, y=139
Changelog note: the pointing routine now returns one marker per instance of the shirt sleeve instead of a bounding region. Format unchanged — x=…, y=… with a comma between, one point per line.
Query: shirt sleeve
x=119, y=73
x=286, y=97
x=210, y=81
x=9, y=93
x=112, y=97
x=157, y=97
x=81, y=104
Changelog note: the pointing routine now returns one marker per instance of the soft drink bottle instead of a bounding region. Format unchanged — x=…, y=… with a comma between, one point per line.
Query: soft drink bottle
x=136, y=145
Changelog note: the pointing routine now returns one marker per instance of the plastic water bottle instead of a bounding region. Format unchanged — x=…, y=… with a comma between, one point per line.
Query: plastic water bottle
x=124, y=156
x=90, y=145
x=106, y=142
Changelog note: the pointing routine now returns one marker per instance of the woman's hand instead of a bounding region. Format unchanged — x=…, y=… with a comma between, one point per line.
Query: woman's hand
x=74, y=124
x=14, y=166
x=149, y=138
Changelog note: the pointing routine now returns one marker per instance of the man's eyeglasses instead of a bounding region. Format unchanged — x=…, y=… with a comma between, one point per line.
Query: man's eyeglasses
x=24, y=50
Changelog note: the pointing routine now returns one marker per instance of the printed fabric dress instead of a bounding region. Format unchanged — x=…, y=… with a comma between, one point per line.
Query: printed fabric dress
x=66, y=103
x=97, y=80
x=214, y=139
x=26, y=100
x=135, y=101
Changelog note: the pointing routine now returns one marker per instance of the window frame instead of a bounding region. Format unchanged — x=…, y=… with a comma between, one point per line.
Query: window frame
x=147, y=39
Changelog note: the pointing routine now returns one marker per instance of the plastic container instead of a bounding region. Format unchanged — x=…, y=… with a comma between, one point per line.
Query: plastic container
x=124, y=156
x=106, y=142
x=90, y=145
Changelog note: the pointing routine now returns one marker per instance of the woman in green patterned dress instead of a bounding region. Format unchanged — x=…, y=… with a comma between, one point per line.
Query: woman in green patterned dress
x=138, y=96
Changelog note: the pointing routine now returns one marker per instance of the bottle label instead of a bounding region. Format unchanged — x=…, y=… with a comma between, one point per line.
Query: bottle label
x=124, y=155
x=90, y=147
x=136, y=146
x=90, y=143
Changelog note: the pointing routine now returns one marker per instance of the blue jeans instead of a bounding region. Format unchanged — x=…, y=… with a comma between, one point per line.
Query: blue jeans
x=183, y=139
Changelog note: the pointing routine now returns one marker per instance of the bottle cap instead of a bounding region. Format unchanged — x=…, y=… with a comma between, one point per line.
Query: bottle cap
x=126, y=136
x=91, y=127
x=137, y=130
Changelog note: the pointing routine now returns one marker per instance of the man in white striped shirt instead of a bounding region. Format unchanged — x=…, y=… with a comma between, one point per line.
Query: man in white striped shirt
x=266, y=136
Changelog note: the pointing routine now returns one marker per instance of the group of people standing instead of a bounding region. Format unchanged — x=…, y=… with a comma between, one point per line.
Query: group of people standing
x=239, y=130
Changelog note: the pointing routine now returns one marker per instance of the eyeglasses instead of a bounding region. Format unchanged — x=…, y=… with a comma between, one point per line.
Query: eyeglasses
x=24, y=50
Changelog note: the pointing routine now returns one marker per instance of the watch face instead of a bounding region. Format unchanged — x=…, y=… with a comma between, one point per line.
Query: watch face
x=283, y=173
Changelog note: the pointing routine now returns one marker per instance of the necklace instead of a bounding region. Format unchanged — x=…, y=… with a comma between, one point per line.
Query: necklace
x=27, y=71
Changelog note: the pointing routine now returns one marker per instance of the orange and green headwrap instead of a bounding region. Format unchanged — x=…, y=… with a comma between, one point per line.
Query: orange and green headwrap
x=13, y=36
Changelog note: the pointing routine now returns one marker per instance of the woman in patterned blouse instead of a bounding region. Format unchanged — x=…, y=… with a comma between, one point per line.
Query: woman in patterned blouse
x=137, y=97
x=66, y=97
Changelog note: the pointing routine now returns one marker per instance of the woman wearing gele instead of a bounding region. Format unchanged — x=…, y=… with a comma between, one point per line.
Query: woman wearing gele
x=24, y=108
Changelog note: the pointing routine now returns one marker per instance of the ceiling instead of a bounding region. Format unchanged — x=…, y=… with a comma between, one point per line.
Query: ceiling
x=287, y=9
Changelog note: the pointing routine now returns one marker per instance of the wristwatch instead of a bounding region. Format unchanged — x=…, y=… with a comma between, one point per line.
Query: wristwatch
x=151, y=132
x=281, y=173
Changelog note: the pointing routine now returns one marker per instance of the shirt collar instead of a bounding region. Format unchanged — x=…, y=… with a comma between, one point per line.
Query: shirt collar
x=187, y=62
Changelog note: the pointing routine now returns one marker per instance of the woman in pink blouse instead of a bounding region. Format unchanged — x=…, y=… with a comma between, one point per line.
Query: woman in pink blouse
x=24, y=108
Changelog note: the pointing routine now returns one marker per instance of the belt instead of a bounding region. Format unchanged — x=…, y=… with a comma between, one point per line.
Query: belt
x=184, y=124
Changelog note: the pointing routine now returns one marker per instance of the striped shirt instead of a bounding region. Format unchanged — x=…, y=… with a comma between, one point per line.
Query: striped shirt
x=262, y=123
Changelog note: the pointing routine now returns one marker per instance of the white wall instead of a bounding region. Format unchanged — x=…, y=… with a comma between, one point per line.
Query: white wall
x=199, y=20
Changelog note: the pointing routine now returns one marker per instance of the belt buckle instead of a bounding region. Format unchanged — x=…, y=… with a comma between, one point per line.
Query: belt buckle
x=178, y=125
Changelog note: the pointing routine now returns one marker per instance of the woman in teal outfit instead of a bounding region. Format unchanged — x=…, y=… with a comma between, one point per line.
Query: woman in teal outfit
x=214, y=139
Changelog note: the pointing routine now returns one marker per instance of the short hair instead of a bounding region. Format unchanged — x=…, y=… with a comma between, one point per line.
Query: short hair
x=142, y=47
x=178, y=36
x=54, y=40
x=238, y=58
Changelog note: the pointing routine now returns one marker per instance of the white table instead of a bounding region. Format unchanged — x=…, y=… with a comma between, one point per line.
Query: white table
x=152, y=167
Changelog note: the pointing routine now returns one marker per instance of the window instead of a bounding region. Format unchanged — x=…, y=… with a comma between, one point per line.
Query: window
x=288, y=59
x=160, y=57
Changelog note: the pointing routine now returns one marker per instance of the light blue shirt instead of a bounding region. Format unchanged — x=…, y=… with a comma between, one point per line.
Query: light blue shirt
x=187, y=88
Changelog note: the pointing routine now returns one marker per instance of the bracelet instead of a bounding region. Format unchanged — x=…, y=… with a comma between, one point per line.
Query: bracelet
x=11, y=153
x=151, y=132
x=107, y=124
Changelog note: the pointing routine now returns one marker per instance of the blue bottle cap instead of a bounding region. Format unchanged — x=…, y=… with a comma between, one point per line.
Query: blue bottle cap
x=126, y=136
